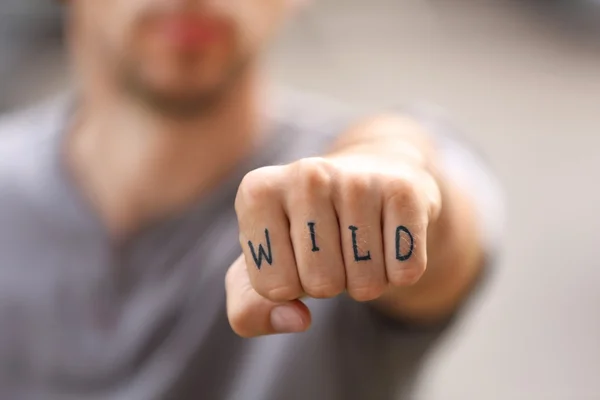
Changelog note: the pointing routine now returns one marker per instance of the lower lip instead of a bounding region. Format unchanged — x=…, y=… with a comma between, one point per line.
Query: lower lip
x=190, y=32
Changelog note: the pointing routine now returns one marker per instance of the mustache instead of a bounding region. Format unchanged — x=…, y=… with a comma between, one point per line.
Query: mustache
x=159, y=8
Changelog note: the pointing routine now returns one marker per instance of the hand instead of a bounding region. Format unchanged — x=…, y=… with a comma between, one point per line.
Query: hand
x=322, y=226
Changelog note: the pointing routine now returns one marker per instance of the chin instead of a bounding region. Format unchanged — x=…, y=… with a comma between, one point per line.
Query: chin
x=179, y=102
x=179, y=89
x=183, y=81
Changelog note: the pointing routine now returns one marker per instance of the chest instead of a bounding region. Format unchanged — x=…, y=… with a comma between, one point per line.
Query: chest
x=76, y=311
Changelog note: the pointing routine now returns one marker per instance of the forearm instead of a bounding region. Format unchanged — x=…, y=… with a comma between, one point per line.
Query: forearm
x=454, y=245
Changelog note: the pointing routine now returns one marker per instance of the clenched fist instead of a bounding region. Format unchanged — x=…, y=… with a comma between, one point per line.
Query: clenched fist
x=323, y=226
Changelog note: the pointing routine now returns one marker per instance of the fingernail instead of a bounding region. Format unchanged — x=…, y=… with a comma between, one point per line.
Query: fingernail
x=286, y=319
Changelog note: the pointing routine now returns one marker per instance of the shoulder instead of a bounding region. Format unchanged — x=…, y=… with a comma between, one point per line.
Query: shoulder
x=25, y=144
x=21, y=130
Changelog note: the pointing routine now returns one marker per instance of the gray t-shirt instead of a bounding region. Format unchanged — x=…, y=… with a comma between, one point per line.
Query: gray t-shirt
x=82, y=318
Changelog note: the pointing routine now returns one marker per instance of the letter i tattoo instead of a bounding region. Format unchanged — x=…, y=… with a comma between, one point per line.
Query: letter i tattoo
x=313, y=238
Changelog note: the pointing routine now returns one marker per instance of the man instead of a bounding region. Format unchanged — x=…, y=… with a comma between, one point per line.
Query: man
x=124, y=206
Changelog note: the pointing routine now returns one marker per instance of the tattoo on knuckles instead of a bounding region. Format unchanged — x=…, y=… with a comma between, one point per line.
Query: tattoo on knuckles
x=268, y=255
x=357, y=257
x=411, y=243
x=311, y=226
x=402, y=234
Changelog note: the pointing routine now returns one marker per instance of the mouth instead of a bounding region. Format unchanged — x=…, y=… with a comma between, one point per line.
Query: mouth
x=190, y=32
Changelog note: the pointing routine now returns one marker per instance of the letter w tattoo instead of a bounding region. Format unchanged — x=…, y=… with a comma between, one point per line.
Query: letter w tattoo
x=261, y=252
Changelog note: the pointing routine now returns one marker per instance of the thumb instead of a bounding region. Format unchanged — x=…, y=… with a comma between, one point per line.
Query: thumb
x=252, y=315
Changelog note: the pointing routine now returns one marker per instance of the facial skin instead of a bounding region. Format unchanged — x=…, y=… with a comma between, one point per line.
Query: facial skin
x=175, y=56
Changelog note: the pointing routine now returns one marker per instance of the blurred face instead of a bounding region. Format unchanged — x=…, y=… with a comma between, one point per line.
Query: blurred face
x=175, y=55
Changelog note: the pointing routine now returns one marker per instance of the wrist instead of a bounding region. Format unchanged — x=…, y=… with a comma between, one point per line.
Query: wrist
x=391, y=137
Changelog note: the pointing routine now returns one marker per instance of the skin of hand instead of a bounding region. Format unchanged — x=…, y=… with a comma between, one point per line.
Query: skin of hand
x=362, y=220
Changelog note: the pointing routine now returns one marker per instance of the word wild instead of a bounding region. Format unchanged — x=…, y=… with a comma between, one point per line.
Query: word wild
x=262, y=253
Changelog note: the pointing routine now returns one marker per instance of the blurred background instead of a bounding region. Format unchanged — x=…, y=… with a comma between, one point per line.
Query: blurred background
x=522, y=78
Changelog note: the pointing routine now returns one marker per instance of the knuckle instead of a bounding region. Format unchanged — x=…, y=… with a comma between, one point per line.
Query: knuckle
x=256, y=187
x=408, y=275
x=310, y=181
x=356, y=185
x=324, y=288
x=400, y=191
x=313, y=174
x=367, y=292
x=282, y=293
